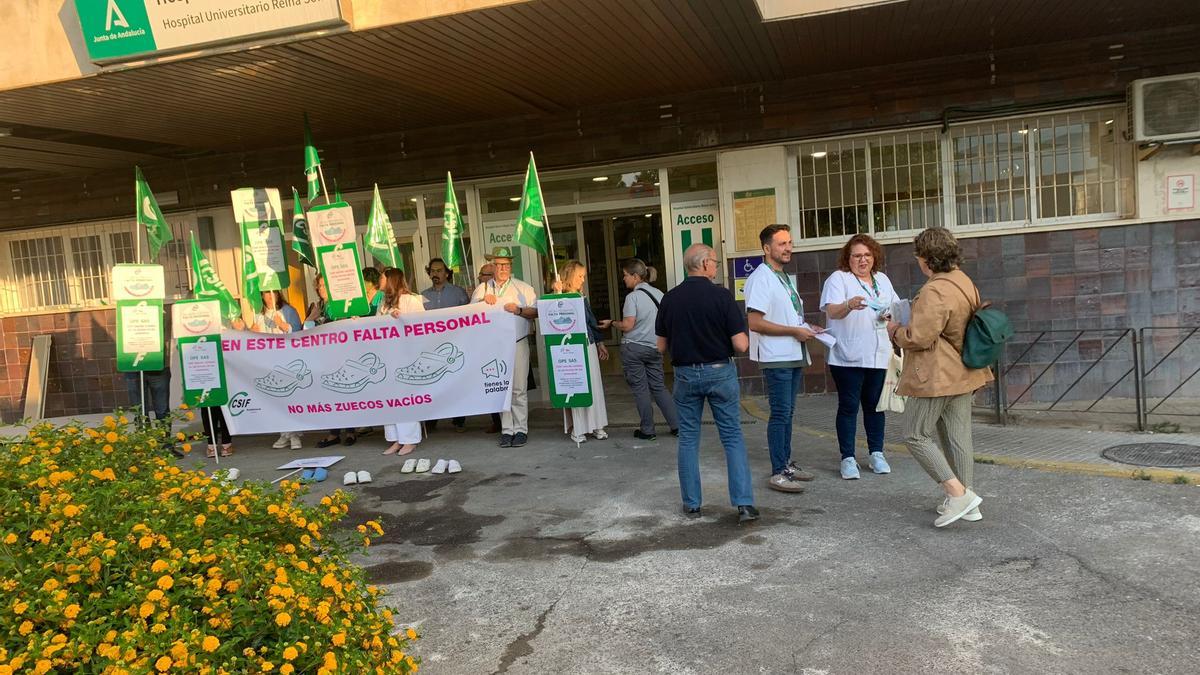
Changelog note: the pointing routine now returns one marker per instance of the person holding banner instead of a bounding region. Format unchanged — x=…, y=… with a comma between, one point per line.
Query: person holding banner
x=592, y=419
x=517, y=297
x=397, y=300
x=276, y=317
x=444, y=294
x=318, y=311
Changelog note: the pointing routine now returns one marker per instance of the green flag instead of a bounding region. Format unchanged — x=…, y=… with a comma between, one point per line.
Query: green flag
x=208, y=286
x=531, y=221
x=149, y=215
x=301, y=241
x=312, y=163
x=337, y=192
x=251, y=280
x=452, y=244
x=380, y=239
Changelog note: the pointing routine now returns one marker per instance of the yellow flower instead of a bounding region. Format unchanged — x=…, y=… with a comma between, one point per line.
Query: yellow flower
x=71, y=611
x=70, y=510
x=163, y=664
x=285, y=669
x=107, y=449
x=10, y=538
x=290, y=653
x=179, y=652
x=20, y=607
x=267, y=666
x=26, y=628
x=112, y=437
x=165, y=582
x=145, y=542
x=412, y=634
x=159, y=565
x=339, y=639
x=283, y=618
x=157, y=628
x=210, y=643
x=145, y=610
x=199, y=520
x=50, y=585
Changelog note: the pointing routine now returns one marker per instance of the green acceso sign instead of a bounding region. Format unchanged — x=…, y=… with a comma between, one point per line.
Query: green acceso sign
x=127, y=29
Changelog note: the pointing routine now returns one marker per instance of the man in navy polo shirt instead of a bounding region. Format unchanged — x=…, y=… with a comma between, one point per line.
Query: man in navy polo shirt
x=702, y=326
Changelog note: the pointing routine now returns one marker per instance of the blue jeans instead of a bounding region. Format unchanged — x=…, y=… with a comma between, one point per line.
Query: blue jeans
x=716, y=382
x=783, y=385
x=158, y=388
x=858, y=387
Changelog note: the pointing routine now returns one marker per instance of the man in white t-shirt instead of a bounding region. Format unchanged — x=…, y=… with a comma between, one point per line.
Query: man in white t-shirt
x=519, y=298
x=778, y=337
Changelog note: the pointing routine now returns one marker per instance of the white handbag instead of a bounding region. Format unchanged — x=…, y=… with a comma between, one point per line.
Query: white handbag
x=889, y=400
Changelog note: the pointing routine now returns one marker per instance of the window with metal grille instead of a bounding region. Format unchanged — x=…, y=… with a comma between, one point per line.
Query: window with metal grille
x=122, y=247
x=90, y=274
x=877, y=184
x=39, y=268
x=991, y=176
x=1077, y=164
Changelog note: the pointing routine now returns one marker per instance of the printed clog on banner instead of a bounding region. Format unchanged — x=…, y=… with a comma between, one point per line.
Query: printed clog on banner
x=432, y=366
x=284, y=380
x=354, y=376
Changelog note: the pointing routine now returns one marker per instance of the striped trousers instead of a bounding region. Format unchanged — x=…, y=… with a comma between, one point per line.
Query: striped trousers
x=949, y=417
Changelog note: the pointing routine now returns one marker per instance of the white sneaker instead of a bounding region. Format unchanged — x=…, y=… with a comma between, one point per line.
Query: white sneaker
x=410, y=465
x=440, y=467
x=295, y=440
x=282, y=442
x=422, y=465
x=601, y=434
x=363, y=477
x=454, y=467
x=350, y=478
x=957, y=507
x=849, y=469
x=879, y=464
x=578, y=439
x=972, y=516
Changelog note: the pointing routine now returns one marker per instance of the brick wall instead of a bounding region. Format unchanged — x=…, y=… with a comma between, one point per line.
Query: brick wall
x=82, y=377
x=1097, y=280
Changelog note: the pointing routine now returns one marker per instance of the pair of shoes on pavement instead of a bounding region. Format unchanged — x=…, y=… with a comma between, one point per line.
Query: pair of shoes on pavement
x=348, y=440
x=288, y=438
x=313, y=475
x=356, y=478
x=972, y=515
x=578, y=439
x=790, y=479
x=516, y=440
x=849, y=466
x=745, y=513
x=641, y=435
x=422, y=465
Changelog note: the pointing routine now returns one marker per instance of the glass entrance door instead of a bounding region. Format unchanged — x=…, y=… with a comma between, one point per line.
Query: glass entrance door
x=610, y=240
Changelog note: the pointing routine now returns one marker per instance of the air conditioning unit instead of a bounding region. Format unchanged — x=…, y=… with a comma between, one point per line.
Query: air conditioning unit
x=1166, y=108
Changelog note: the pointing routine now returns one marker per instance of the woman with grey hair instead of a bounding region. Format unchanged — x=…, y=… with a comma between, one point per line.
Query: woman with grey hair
x=937, y=383
x=641, y=361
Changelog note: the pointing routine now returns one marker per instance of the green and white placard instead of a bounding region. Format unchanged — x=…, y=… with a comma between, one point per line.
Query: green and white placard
x=331, y=224
x=138, y=292
x=196, y=325
x=260, y=217
x=342, y=269
x=563, y=325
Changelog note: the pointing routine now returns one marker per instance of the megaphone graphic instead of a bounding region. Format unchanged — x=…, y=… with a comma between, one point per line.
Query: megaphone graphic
x=495, y=368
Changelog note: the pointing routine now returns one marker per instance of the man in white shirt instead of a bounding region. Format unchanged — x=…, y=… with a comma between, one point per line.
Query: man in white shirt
x=778, y=337
x=519, y=298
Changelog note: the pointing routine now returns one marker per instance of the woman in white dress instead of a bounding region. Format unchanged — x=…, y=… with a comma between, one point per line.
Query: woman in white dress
x=397, y=300
x=857, y=299
x=592, y=419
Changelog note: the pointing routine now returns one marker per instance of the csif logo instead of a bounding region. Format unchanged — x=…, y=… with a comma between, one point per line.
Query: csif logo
x=239, y=403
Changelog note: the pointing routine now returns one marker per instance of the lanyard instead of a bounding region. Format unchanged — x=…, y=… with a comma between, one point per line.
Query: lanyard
x=498, y=291
x=874, y=284
x=787, y=283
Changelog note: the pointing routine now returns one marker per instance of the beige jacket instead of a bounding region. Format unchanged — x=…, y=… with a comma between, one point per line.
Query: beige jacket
x=932, y=341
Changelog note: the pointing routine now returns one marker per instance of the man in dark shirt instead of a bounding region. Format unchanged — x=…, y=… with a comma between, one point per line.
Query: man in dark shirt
x=702, y=326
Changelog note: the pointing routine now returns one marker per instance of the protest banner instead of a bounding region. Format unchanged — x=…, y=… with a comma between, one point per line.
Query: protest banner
x=138, y=291
x=372, y=371
x=563, y=324
x=264, y=263
x=342, y=269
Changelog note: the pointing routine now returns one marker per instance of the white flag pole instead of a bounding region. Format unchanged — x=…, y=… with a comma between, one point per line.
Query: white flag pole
x=212, y=435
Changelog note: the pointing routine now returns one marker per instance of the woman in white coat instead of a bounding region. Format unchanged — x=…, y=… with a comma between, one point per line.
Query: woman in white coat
x=397, y=300
x=592, y=419
x=857, y=299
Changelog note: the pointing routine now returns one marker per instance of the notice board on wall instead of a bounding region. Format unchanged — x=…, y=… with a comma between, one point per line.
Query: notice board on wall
x=752, y=211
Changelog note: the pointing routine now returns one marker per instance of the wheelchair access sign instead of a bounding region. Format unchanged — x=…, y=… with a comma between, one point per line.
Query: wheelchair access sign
x=742, y=269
